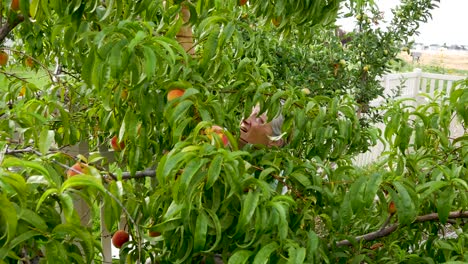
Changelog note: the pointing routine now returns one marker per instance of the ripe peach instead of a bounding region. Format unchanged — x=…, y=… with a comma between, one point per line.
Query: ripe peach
x=3, y=58
x=15, y=5
x=242, y=2
x=119, y=238
x=76, y=169
x=29, y=62
x=219, y=131
x=154, y=233
x=117, y=146
x=174, y=93
x=392, y=208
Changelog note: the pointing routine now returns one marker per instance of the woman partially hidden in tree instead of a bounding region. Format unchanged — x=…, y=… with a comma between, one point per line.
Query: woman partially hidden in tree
x=256, y=130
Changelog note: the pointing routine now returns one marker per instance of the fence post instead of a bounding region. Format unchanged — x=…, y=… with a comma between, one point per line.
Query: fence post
x=417, y=86
x=105, y=233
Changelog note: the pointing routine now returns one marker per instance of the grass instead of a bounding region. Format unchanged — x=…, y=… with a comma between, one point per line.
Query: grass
x=402, y=66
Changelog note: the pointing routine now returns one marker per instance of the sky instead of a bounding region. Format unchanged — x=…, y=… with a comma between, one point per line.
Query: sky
x=449, y=23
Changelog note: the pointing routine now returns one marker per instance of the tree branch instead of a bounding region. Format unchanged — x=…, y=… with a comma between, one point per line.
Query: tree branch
x=388, y=230
x=7, y=27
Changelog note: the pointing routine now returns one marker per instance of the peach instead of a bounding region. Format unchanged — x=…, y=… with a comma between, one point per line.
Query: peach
x=219, y=131
x=15, y=5
x=174, y=93
x=119, y=238
x=3, y=58
x=117, y=146
x=76, y=169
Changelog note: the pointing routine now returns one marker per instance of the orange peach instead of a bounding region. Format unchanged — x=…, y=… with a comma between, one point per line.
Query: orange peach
x=117, y=146
x=174, y=93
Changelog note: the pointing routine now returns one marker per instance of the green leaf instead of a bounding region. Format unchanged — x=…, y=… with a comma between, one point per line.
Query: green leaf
x=444, y=203
x=32, y=218
x=346, y=212
x=15, y=162
x=301, y=178
x=16, y=183
x=214, y=170
x=312, y=245
x=356, y=193
x=179, y=111
x=283, y=221
x=240, y=257
x=66, y=202
x=168, y=225
x=56, y=252
x=429, y=188
x=110, y=8
x=166, y=44
x=23, y=237
x=201, y=229
x=82, y=180
x=80, y=235
x=150, y=61
x=406, y=207
x=8, y=213
x=372, y=187
x=189, y=171
x=249, y=205
x=33, y=7
x=296, y=255
x=263, y=255
x=209, y=50
x=217, y=224
x=45, y=140
x=44, y=196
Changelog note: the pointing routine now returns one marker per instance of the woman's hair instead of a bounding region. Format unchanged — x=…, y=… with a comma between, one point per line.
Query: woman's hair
x=276, y=125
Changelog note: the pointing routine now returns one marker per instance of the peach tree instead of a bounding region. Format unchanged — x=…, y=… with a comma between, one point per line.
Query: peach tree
x=111, y=65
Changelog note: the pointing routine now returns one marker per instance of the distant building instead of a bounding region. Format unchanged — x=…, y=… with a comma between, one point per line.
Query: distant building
x=434, y=47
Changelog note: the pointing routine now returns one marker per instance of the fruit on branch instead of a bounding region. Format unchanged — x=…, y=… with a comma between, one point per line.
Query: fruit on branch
x=124, y=94
x=22, y=91
x=76, y=169
x=242, y=2
x=29, y=62
x=305, y=91
x=174, y=93
x=276, y=21
x=117, y=146
x=3, y=58
x=15, y=5
x=392, y=208
x=218, y=131
x=154, y=233
x=119, y=238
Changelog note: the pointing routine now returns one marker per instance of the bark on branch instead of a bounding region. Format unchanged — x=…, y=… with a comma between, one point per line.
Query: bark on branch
x=390, y=229
x=8, y=27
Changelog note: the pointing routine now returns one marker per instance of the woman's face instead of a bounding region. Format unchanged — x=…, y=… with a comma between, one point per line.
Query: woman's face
x=255, y=130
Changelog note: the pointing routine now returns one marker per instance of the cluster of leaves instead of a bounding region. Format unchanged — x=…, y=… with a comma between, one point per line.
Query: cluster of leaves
x=120, y=58
x=38, y=217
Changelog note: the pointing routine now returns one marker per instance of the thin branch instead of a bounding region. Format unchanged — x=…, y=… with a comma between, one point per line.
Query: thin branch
x=9, y=74
x=388, y=230
x=139, y=174
x=50, y=73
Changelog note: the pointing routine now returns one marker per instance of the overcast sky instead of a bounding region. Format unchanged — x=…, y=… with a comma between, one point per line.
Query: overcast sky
x=449, y=22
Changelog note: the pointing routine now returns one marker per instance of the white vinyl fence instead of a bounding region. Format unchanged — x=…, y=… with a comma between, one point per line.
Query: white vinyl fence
x=412, y=85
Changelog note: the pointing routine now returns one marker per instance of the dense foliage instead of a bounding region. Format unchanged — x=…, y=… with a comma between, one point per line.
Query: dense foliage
x=117, y=62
